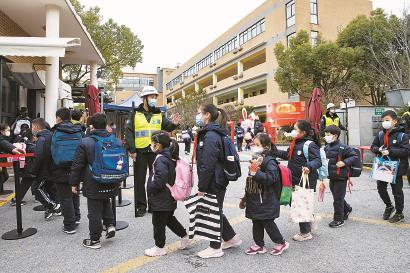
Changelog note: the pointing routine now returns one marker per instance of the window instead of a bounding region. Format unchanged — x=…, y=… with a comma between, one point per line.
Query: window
x=314, y=36
x=189, y=72
x=252, y=31
x=313, y=12
x=204, y=62
x=226, y=48
x=290, y=14
x=290, y=36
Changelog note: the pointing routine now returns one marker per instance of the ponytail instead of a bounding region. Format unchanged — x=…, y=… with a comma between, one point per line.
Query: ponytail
x=305, y=126
x=174, y=149
x=222, y=118
x=217, y=115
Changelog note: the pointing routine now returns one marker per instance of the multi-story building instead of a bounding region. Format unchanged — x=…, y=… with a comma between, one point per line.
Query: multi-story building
x=238, y=67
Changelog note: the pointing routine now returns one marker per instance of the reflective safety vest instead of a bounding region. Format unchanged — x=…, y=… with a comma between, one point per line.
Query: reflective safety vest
x=330, y=121
x=144, y=129
x=406, y=113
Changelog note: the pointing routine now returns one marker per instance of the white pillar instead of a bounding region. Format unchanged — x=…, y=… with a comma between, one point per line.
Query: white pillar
x=93, y=74
x=215, y=100
x=240, y=68
x=52, y=68
x=214, y=79
x=197, y=87
x=240, y=95
x=183, y=93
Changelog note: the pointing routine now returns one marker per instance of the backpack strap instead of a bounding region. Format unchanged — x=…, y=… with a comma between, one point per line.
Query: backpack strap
x=381, y=138
x=400, y=138
x=306, y=149
x=340, y=157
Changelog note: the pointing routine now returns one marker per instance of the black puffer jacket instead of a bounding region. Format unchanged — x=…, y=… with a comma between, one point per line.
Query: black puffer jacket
x=399, y=148
x=159, y=196
x=42, y=159
x=264, y=203
x=298, y=161
x=84, y=156
x=239, y=132
x=211, y=177
x=61, y=174
x=347, y=155
x=5, y=145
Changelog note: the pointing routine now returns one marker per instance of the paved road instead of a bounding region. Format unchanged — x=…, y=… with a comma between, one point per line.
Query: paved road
x=364, y=244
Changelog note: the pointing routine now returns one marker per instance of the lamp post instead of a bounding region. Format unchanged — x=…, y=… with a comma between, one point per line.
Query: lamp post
x=346, y=101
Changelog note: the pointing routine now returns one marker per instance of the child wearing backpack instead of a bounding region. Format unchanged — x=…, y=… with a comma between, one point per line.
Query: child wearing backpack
x=303, y=137
x=263, y=189
x=97, y=189
x=160, y=200
x=392, y=143
x=341, y=158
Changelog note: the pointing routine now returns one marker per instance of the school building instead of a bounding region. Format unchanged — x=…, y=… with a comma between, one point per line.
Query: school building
x=238, y=67
x=36, y=39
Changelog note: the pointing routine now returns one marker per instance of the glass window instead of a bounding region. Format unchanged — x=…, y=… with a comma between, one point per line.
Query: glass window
x=314, y=36
x=290, y=14
x=252, y=31
x=290, y=36
x=313, y=12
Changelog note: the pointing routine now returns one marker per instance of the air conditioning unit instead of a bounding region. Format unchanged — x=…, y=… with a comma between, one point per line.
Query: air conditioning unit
x=235, y=51
x=235, y=77
x=211, y=87
x=240, y=48
x=214, y=86
x=240, y=75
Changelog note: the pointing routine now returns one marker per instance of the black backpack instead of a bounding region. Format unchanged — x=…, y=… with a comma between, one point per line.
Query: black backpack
x=355, y=169
x=230, y=159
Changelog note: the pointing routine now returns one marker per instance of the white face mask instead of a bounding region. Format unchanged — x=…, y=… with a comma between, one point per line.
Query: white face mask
x=387, y=124
x=293, y=134
x=257, y=150
x=329, y=139
x=332, y=111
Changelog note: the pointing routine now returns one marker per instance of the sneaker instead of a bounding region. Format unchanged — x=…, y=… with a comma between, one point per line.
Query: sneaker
x=388, y=212
x=255, y=249
x=278, y=249
x=48, y=214
x=185, y=243
x=336, y=224
x=302, y=237
x=69, y=231
x=13, y=202
x=397, y=218
x=210, y=253
x=140, y=213
x=91, y=244
x=77, y=223
x=234, y=242
x=110, y=233
x=57, y=212
x=155, y=252
x=348, y=213
x=315, y=224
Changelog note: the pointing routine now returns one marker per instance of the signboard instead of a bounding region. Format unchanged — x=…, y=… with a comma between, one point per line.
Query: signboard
x=378, y=111
x=285, y=114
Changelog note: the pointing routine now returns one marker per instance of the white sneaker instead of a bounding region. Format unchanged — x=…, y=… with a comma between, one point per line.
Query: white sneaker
x=234, y=242
x=155, y=252
x=315, y=224
x=302, y=237
x=185, y=243
x=210, y=253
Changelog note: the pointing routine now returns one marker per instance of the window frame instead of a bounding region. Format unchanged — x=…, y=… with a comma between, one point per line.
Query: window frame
x=290, y=19
x=314, y=13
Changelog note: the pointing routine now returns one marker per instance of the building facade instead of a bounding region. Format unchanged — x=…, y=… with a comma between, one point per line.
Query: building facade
x=238, y=67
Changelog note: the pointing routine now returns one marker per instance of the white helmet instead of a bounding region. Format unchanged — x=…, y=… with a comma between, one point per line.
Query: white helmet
x=330, y=105
x=149, y=90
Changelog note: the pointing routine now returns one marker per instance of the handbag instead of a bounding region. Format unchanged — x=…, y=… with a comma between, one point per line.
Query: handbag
x=384, y=170
x=302, y=202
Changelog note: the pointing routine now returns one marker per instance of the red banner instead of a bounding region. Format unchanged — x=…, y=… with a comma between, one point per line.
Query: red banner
x=285, y=114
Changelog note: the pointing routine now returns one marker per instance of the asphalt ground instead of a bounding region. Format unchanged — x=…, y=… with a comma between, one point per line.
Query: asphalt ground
x=365, y=244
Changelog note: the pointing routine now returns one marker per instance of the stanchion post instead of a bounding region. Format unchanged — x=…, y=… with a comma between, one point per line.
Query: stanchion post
x=119, y=225
x=121, y=202
x=133, y=133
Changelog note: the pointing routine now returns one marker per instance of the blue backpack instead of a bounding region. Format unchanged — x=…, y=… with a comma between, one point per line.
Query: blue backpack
x=230, y=159
x=110, y=162
x=323, y=171
x=63, y=147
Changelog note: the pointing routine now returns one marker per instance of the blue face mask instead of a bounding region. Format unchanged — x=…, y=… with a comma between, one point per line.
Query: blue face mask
x=152, y=102
x=199, y=120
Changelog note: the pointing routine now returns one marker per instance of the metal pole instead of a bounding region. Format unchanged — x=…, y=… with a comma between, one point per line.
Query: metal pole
x=102, y=101
x=133, y=139
x=1, y=86
x=347, y=122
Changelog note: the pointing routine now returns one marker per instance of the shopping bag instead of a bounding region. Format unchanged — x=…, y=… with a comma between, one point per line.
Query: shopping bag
x=204, y=217
x=384, y=170
x=302, y=202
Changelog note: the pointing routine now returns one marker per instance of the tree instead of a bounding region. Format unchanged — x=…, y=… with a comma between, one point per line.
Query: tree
x=119, y=46
x=188, y=107
x=234, y=112
x=303, y=66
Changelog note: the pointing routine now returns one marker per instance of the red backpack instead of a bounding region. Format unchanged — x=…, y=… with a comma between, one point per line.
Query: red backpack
x=286, y=181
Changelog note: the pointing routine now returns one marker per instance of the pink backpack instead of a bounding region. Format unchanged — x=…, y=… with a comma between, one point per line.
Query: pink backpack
x=183, y=180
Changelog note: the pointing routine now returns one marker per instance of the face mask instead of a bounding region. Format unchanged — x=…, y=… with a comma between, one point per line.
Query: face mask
x=329, y=139
x=387, y=124
x=257, y=150
x=332, y=111
x=152, y=102
x=199, y=120
x=294, y=134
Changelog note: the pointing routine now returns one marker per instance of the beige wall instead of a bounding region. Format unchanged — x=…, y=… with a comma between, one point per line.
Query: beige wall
x=9, y=28
x=333, y=15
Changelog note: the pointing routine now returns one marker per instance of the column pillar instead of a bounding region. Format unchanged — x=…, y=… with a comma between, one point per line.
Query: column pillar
x=240, y=68
x=240, y=95
x=197, y=87
x=52, y=68
x=215, y=100
x=93, y=74
x=183, y=93
x=214, y=79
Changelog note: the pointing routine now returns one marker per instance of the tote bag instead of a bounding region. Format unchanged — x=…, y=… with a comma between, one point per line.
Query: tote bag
x=384, y=170
x=302, y=202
